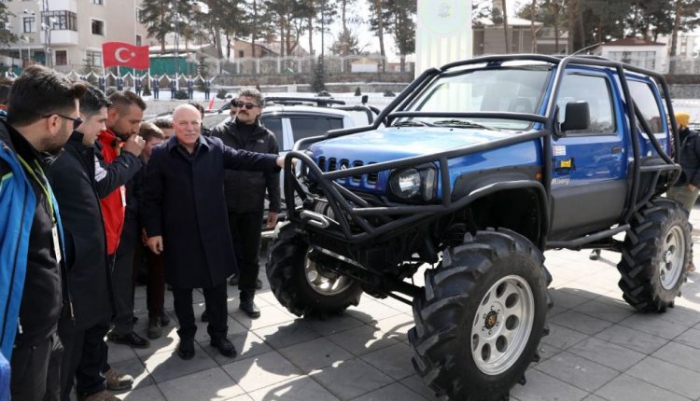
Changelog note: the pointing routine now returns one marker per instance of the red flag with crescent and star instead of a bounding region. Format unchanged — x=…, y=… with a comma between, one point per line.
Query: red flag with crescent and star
x=125, y=55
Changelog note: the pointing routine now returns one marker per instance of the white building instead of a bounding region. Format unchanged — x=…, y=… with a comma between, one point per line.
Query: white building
x=637, y=52
x=71, y=31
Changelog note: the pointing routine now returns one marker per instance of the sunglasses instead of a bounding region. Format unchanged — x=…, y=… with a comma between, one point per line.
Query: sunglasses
x=238, y=103
x=76, y=121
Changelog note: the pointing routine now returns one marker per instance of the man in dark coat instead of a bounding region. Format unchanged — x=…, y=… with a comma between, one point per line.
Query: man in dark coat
x=173, y=88
x=155, y=83
x=72, y=176
x=246, y=208
x=185, y=213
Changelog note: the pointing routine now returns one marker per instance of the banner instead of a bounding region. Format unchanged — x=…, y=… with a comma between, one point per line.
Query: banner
x=122, y=54
x=443, y=33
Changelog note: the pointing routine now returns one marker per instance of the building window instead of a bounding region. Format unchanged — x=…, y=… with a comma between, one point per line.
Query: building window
x=240, y=54
x=29, y=25
x=61, y=57
x=98, y=2
x=98, y=27
x=138, y=40
x=62, y=20
x=93, y=58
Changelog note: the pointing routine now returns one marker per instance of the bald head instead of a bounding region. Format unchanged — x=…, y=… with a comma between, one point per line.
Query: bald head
x=187, y=123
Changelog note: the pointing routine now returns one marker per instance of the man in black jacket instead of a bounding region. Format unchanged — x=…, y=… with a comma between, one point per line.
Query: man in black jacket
x=246, y=208
x=72, y=176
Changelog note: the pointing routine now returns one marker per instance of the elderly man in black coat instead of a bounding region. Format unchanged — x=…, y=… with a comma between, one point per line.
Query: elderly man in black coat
x=185, y=213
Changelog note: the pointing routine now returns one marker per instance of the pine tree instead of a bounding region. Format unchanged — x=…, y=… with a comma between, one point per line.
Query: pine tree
x=319, y=81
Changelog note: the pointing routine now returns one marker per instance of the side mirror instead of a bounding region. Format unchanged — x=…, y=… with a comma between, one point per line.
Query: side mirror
x=578, y=116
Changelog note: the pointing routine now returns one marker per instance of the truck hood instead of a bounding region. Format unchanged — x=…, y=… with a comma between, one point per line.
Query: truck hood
x=398, y=142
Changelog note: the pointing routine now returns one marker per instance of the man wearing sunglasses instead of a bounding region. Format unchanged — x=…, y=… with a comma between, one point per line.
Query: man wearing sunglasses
x=41, y=111
x=245, y=193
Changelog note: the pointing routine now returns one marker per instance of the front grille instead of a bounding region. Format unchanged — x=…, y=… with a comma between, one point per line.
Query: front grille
x=357, y=178
x=372, y=178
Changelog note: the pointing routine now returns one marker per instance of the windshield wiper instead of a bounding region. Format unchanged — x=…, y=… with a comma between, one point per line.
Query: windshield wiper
x=413, y=123
x=461, y=123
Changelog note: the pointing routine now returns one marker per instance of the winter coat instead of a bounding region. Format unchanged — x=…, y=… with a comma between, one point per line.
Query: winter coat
x=72, y=177
x=690, y=158
x=184, y=202
x=18, y=205
x=255, y=183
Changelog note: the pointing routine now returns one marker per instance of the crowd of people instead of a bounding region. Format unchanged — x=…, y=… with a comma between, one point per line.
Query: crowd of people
x=89, y=193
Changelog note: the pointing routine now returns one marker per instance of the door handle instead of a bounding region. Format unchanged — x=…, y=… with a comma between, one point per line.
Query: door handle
x=616, y=149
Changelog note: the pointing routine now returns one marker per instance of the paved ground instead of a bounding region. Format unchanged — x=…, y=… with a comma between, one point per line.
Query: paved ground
x=598, y=349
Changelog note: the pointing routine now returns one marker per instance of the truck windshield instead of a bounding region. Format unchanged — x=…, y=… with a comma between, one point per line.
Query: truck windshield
x=518, y=89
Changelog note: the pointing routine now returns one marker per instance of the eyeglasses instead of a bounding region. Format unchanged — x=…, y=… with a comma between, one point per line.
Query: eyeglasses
x=238, y=103
x=76, y=121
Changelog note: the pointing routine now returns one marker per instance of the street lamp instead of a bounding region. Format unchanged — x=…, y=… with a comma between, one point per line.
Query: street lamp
x=177, y=19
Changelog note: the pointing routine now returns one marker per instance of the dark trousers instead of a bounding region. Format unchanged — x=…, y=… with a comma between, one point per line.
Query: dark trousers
x=246, y=229
x=155, y=289
x=217, y=309
x=206, y=94
x=123, y=280
x=84, y=359
x=156, y=93
x=36, y=371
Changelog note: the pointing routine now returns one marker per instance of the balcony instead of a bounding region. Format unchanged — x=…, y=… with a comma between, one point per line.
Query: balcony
x=64, y=38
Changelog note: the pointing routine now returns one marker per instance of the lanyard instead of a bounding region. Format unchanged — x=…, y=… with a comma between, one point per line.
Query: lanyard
x=41, y=182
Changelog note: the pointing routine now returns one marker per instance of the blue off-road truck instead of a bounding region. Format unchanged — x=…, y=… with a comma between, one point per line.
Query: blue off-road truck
x=473, y=172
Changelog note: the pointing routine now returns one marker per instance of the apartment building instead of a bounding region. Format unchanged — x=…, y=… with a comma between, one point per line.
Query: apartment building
x=70, y=32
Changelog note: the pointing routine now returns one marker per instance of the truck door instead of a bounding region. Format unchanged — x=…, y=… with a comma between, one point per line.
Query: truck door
x=589, y=166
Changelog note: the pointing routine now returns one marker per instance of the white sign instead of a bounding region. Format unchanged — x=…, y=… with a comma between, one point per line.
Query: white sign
x=444, y=33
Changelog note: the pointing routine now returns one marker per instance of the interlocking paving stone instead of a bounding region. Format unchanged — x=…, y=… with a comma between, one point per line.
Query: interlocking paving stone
x=300, y=389
x=581, y=322
x=211, y=384
x=562, y=338
x=542, y=387
x=395, y=361
x=362, y=340
x=315, y=354
x=627, y=388
x=166, y=365
x=607, y=354
x=632, y=339
x=679, y=354
x=351, y=378
x=667, y=376
x=580, y=372
x=262, y=371
x=392, y=392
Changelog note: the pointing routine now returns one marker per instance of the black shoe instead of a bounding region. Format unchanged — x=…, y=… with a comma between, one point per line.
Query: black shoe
x=225, y=347
x=131, y=339
x=205, y=316
x=164, y=320
x=186, y=349
x=250, y=309
x=595, y=254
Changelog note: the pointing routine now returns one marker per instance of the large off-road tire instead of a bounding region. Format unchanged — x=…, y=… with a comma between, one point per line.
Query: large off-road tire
x=301, y=285
x=481, y=317
x=655, y=255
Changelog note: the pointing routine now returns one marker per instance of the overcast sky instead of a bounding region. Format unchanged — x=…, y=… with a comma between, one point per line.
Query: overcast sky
x=367, y=38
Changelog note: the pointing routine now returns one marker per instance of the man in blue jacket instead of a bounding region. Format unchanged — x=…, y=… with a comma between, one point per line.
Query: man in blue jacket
x=42, y=112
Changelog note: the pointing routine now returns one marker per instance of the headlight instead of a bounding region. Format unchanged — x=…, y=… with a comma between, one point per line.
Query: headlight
x=416, y=184
x=406, y=184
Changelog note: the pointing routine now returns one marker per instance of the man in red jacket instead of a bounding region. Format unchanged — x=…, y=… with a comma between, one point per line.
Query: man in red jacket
x=119, y=147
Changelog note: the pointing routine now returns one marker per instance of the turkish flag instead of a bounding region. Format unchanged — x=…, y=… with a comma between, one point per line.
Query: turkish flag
x=125, y=55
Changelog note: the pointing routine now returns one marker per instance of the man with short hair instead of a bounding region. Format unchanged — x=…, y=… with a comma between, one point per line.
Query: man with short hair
x=72, y=176
x=120, y=210
x=42, y=110
x=185, y=218
x=246, y=208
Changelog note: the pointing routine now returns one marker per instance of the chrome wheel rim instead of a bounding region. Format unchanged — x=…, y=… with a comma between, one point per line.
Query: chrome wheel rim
x=502, y=325
x=322, y=281
x=672, y=257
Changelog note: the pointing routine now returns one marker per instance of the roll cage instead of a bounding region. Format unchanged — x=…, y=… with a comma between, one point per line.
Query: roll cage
x=357, y=220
